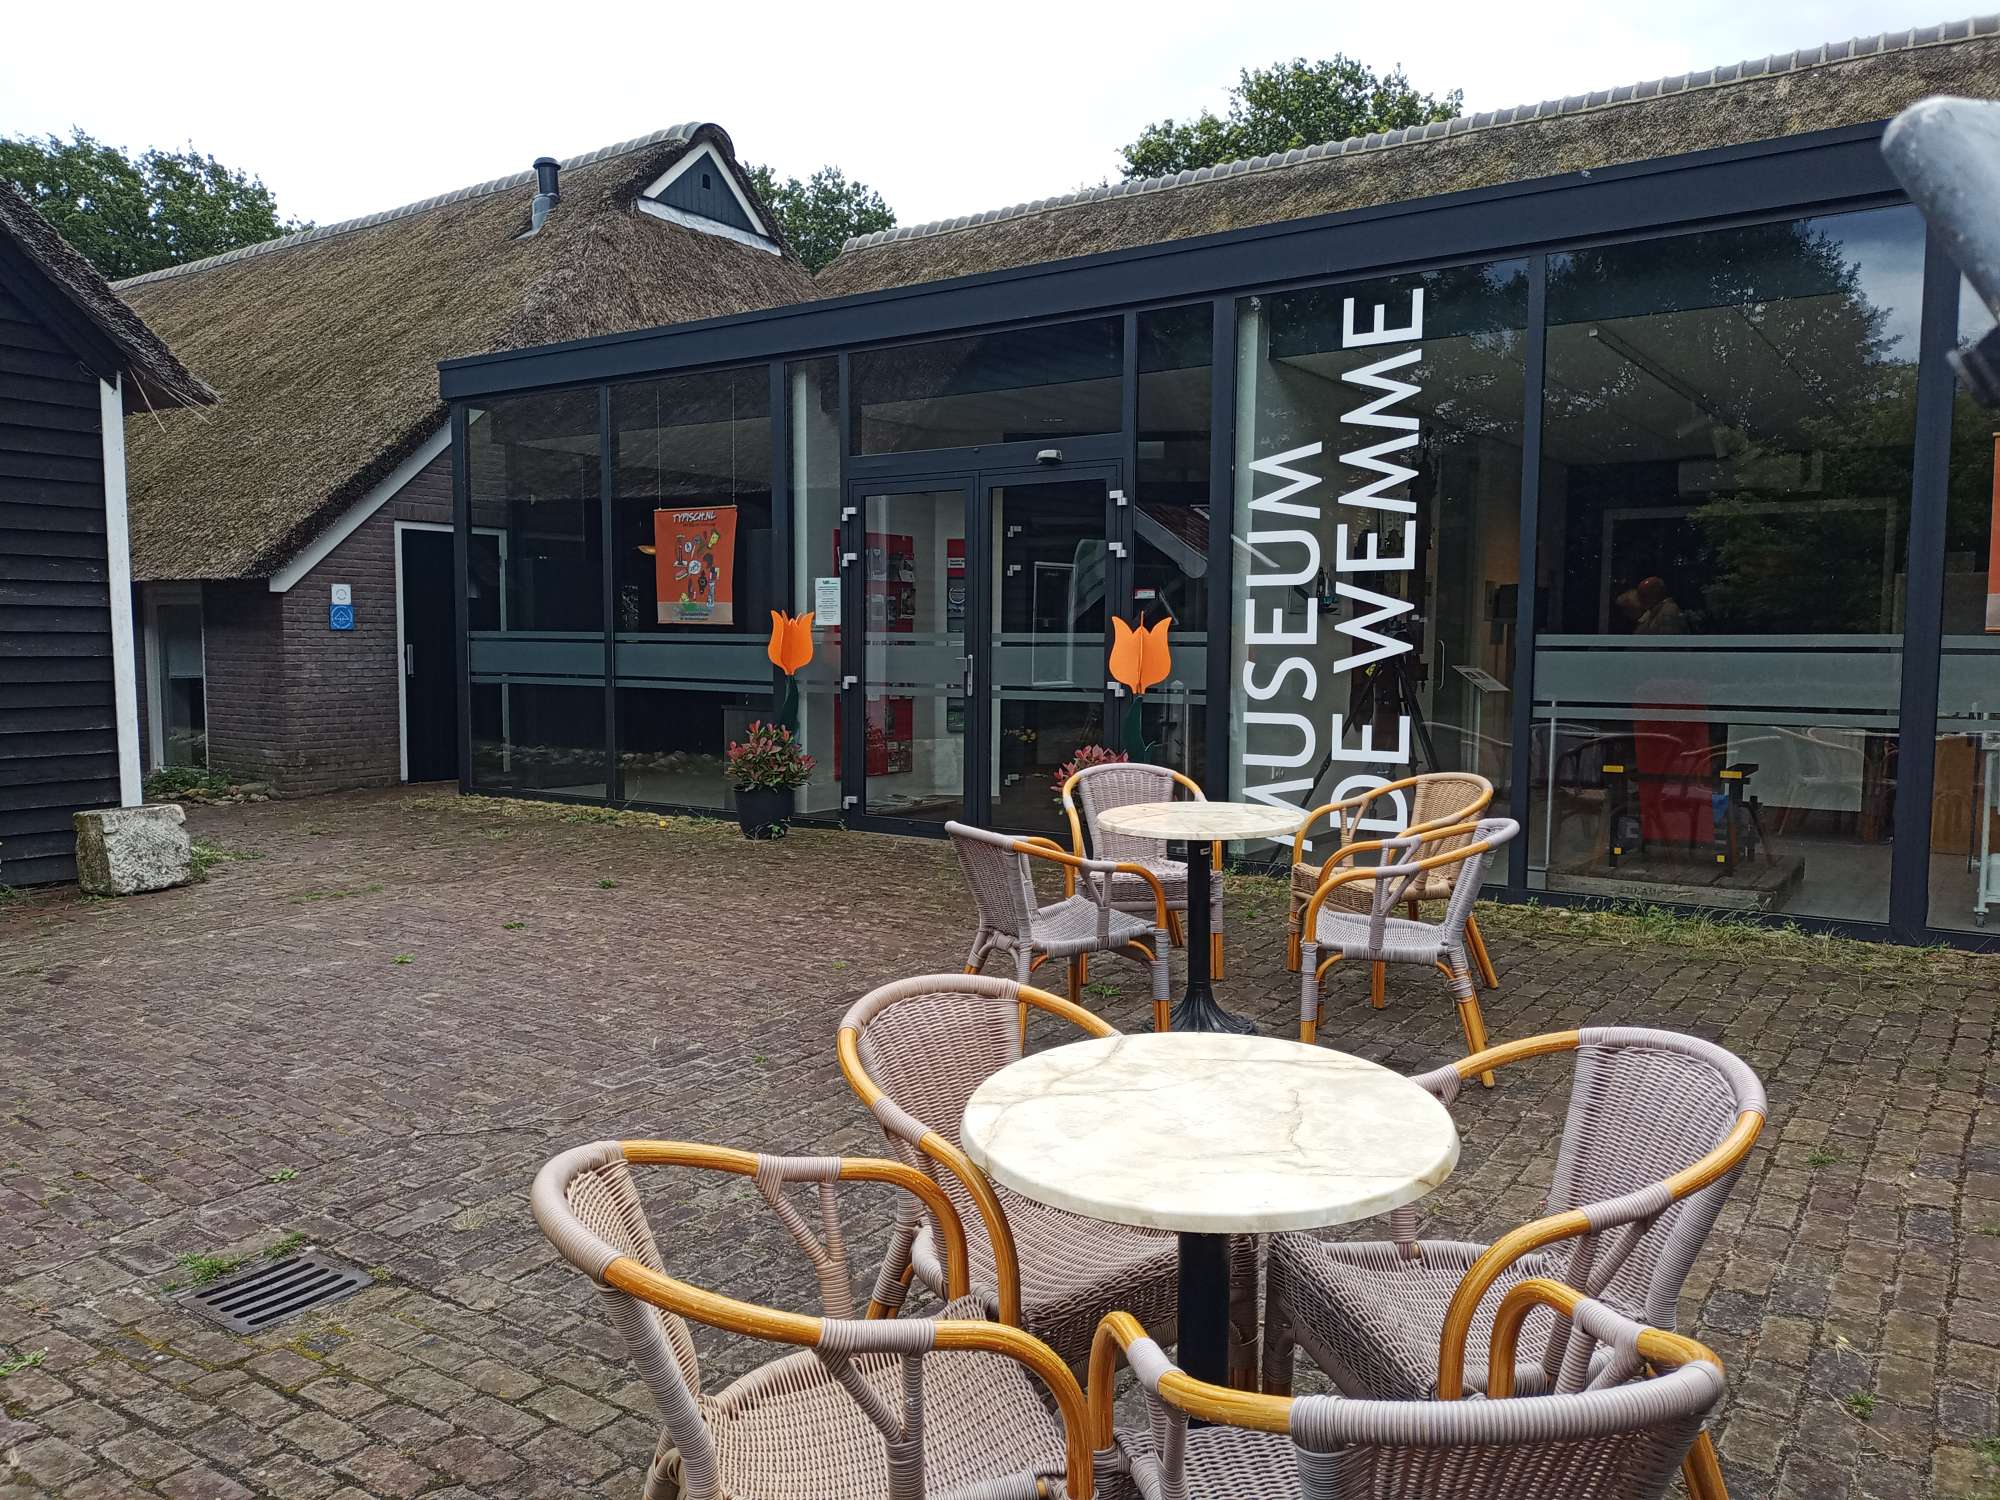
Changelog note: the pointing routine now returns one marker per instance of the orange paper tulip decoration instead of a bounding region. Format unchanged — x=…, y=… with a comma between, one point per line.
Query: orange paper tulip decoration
x=1140, y=656
x=791, y=641
x=791, y=648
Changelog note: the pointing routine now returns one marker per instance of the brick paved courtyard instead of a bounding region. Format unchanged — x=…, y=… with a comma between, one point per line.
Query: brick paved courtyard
x=372, y=1029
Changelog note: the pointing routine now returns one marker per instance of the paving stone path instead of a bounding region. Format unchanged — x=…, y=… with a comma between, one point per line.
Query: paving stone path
x=371, y=1029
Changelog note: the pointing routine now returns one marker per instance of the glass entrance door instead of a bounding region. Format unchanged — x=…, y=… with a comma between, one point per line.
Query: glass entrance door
x=907, y=581
x=980, y=602
x=1053, y=569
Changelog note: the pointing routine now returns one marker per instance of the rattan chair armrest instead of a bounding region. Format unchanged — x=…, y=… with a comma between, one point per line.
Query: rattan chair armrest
x=846, y=1169
x=1323, y=810
x=1656, y=1346
x=718, y=1311
x=1076, y=844
x=1126, y=867
x=1597, y=1217
x=1120, y=1333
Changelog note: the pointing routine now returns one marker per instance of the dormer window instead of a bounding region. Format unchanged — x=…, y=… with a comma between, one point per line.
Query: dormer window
x=701, y=192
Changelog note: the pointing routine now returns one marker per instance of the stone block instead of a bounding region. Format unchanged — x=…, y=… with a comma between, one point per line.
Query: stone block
x=121, y=851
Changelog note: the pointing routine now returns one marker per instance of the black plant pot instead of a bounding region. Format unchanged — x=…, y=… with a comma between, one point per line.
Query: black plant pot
x=763, y=813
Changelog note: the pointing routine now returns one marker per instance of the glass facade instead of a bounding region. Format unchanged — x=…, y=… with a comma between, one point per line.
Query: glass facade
x=693, y=578
x=1376, y=540
x=536, y=619
x=1965, y=786
x=1728, y=428
x=1170, y=520
x=1623, y=525
x=1017, y=386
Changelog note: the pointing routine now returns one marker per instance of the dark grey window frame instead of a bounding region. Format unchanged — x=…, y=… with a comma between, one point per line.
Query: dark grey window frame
x=1826, y=172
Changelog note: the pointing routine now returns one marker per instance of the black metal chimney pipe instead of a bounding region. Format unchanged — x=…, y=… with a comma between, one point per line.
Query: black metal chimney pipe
x=547, y=193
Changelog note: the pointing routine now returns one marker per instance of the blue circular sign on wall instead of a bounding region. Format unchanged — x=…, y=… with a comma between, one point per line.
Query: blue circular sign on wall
x=340, y=617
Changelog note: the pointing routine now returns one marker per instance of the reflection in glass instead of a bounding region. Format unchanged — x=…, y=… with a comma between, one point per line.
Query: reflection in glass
x=182, y=692
x=535, y=601
x=1049, y=562
x=692, y=579
x=914, y=603
x=1016, y=386
x=1728, y=423
x=814, y=393
x=1170, y=526
x=1965, y=796
x=1378, y=474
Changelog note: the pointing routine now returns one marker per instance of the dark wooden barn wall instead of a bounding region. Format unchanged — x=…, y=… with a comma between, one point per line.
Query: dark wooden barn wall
x=58, y=722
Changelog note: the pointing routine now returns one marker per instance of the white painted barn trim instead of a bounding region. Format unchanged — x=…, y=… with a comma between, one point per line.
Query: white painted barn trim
x=118, y=578
x=715, y=227
x=349, y=519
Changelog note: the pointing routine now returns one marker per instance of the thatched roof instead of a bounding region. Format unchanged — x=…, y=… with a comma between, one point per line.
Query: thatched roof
x=1844, y=83
x=154, y=376
x=325, y=344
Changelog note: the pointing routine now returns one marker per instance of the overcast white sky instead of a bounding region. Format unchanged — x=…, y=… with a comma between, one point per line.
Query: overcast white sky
x=946, y=108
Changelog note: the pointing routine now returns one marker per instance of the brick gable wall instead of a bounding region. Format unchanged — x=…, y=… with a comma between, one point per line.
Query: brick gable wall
x=292, y=702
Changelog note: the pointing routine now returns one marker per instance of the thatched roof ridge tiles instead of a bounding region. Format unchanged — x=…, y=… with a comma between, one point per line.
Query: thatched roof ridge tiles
x=325, y=345
x=512, y=181
x=1791, y=92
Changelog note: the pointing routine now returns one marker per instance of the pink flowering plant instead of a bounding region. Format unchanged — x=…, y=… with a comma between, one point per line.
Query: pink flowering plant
x=768, y=759
x=1086, y=756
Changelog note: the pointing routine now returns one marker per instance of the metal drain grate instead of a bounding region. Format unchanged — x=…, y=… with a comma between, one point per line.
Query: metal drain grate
x=257, y=1299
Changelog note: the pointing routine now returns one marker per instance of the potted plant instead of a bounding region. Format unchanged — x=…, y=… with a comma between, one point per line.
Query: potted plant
x=1086, y=756
x=766, y=767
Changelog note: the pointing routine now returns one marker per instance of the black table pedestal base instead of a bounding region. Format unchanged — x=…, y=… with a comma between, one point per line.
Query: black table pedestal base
x=1197, y=1010
x=1204, y=1307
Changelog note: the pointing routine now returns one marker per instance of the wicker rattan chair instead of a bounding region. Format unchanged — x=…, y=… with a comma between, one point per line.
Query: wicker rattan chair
x=1657, y=1128
x=872, y=1409
x=1012, y=917
x=1437, y=799
x=1617, y=1433
x=914, y=1051
x=1098, y=789
x=1373, y=933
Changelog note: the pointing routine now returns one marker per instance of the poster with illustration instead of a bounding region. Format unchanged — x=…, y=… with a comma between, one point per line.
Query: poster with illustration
x=694, y=553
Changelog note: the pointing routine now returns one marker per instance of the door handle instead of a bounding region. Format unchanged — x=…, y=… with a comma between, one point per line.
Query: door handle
x=409, y=659
x=965, y=686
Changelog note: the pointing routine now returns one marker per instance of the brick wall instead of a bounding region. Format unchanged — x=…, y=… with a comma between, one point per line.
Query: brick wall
x=243, y=660
x=342, y=728
x=292, y=702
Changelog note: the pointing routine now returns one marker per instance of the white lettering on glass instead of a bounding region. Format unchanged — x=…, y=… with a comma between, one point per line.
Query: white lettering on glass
x=1281, y=735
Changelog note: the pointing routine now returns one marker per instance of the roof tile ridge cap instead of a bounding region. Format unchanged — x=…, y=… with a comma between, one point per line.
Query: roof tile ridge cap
x=318, y=232
x=1719, y=75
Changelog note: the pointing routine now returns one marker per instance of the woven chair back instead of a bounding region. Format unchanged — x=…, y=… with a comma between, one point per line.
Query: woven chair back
x=1621, y=1443
x=585, y=1202
x=1002, y=887
x=1447, y=797
x=1643, y=1105
x=928, y=1051
x=602, y=1199
x=1619, y=1434
x=1099, y=789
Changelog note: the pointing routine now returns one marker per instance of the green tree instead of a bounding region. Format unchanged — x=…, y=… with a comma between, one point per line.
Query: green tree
x=822, y=213
x=131, y=215
x=1283, y=107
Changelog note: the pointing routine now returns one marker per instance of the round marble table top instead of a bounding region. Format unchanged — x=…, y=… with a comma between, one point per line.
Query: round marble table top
x=1201, y=820
x=1208, y=1133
